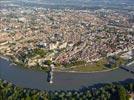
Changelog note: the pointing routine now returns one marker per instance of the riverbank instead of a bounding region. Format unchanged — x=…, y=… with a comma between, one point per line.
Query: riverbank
x=89, y=72
x=38, y=68
x=38, y=80
x=22, y=66
x=88, y=93
x=107, y=70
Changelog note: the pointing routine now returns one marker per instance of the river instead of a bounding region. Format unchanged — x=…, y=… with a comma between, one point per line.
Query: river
x=62, y=80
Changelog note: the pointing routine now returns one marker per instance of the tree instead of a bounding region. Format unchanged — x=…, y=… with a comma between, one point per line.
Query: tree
x=122, y=93
x=131, y=87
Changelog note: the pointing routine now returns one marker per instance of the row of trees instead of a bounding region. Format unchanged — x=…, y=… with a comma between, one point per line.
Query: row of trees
x=107, y=92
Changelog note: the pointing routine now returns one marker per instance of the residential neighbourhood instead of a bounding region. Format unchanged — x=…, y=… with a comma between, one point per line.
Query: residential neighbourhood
x=65, y=35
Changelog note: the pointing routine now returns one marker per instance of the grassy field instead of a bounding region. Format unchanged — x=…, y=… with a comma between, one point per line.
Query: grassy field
x=89, y=67
x=95, y=66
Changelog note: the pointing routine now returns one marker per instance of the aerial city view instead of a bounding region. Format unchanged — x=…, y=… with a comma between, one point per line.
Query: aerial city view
x=66, y=49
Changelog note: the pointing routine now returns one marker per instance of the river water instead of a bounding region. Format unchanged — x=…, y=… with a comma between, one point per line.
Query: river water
x=62, y=80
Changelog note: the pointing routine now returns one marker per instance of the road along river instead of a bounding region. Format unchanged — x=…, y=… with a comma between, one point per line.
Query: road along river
x=62, y=80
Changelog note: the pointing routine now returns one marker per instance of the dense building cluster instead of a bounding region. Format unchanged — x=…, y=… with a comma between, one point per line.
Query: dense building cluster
x=65, y=35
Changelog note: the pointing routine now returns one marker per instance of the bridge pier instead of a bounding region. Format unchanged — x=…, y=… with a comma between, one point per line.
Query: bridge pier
x=51, y=73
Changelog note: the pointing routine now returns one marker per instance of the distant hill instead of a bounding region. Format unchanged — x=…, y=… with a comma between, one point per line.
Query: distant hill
x=75, y=4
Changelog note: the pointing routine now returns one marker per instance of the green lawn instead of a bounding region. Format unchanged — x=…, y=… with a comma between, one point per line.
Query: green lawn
x=95, y=66
x=89, y=67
